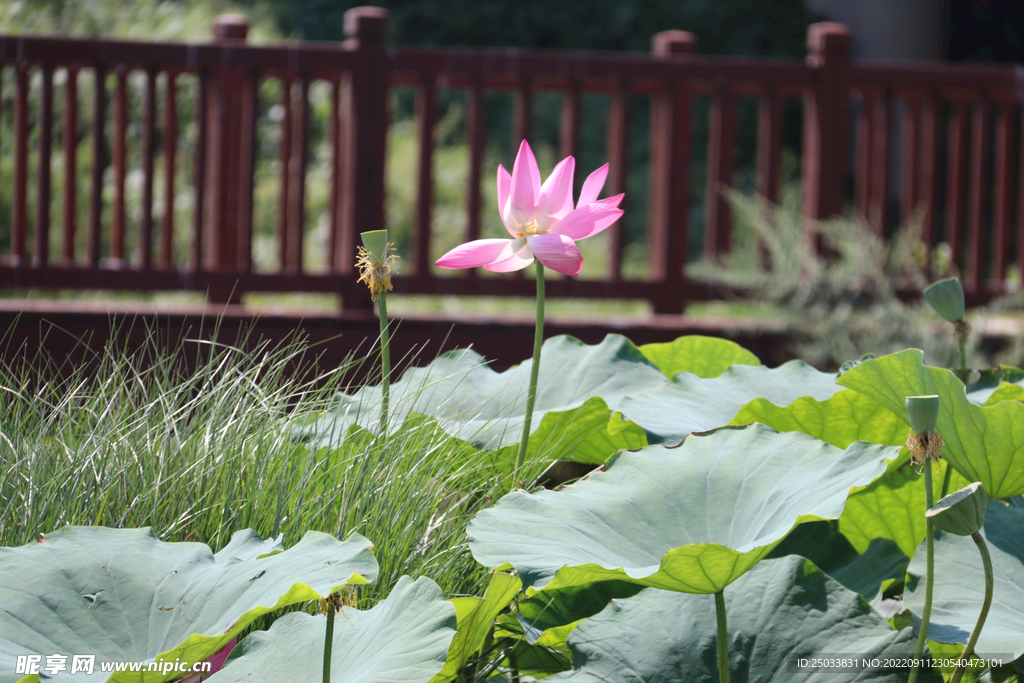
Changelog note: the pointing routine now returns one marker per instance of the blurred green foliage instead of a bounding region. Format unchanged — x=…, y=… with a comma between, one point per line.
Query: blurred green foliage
x=738, y=27
x=138, y=19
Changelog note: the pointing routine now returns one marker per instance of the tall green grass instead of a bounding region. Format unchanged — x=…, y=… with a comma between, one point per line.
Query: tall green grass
x=137, y=438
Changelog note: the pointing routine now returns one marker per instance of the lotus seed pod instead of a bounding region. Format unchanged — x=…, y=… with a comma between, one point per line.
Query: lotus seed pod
x=923, y=412
x=961, y=512
x=376, y=242
x=947, y=298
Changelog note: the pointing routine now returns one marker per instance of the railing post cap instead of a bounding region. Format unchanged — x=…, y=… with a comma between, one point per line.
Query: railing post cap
x=366, y=23
x=828, y=36
x=674, y=42
x=230, y=27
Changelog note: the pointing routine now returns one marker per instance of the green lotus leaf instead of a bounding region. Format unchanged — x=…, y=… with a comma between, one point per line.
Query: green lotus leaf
x=247, y=545
x=475, y=617
x=960, y=585
x=403, y=639
x=1005, y=392
x=831, y=551
x=702, y=356
x=893, y=507
x=124, y=595
x=1002, y=383
x=547, y=617
x=535, y=661
x=983, y=444
x=840, y=420
x=690, y=519
x=694, y=404
x=782, y=608
x=579, y=386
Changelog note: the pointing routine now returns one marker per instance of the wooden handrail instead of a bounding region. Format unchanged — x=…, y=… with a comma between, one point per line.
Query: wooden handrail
x=949, y=132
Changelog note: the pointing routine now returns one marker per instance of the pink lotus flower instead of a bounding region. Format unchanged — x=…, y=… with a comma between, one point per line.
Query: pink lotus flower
x=541, y=219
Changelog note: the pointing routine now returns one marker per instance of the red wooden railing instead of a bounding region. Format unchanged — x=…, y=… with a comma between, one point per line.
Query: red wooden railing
x=959, y=157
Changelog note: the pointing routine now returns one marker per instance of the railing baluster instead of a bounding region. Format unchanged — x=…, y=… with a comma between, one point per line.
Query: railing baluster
x=570, y=124
x=98, y=165
x=426, y=114
x=524, y=114
x=170, y=149
x=670, y=178
x=250, y=94
x=475, y=132
x=120, y=167
x=956, y=175
x=979, y=183
x=865, y=131
x=769, y=156
x=930, y=132
x=721, y=148
x=1, y=98
x=297, y=204
x=909, y=158
x=344, y=250
x=148, y=157
x=618, y=164
x=1020, y=208
x=880, y=165
x=1004, y=191
x=70, y=144
x=41, y=253
x=284, y=161
x=336, y=161
x=769, y=145
x=199, y=170
x=19, y=212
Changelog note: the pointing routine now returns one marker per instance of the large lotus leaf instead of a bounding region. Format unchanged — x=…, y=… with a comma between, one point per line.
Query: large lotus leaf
x=124, y=595
x=578, y=388
x=893, y=507
x=983, y=443
x=960, y=585
x=1006, y=392
x=403, y=639
x=475, y=619
x=247, y=545
x=694, y=404
x=781, y=608
x=701, y=356
x=690, y=519
x=997, y=384
x=840, y=420
x=890, y=508
x=547, y=617
x=865, y=573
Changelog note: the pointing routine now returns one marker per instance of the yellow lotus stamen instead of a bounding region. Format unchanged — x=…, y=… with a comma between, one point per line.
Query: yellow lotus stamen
x=531, y=229
x=374, y=272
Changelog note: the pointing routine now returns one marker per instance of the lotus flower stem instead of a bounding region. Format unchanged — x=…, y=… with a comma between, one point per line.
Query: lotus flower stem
x=723, y=638
x=961, y=343
x=531, y=396
x=986, y=560
x=945, y=480
x=328, y=642
x=385, y=361
x=929, y=579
